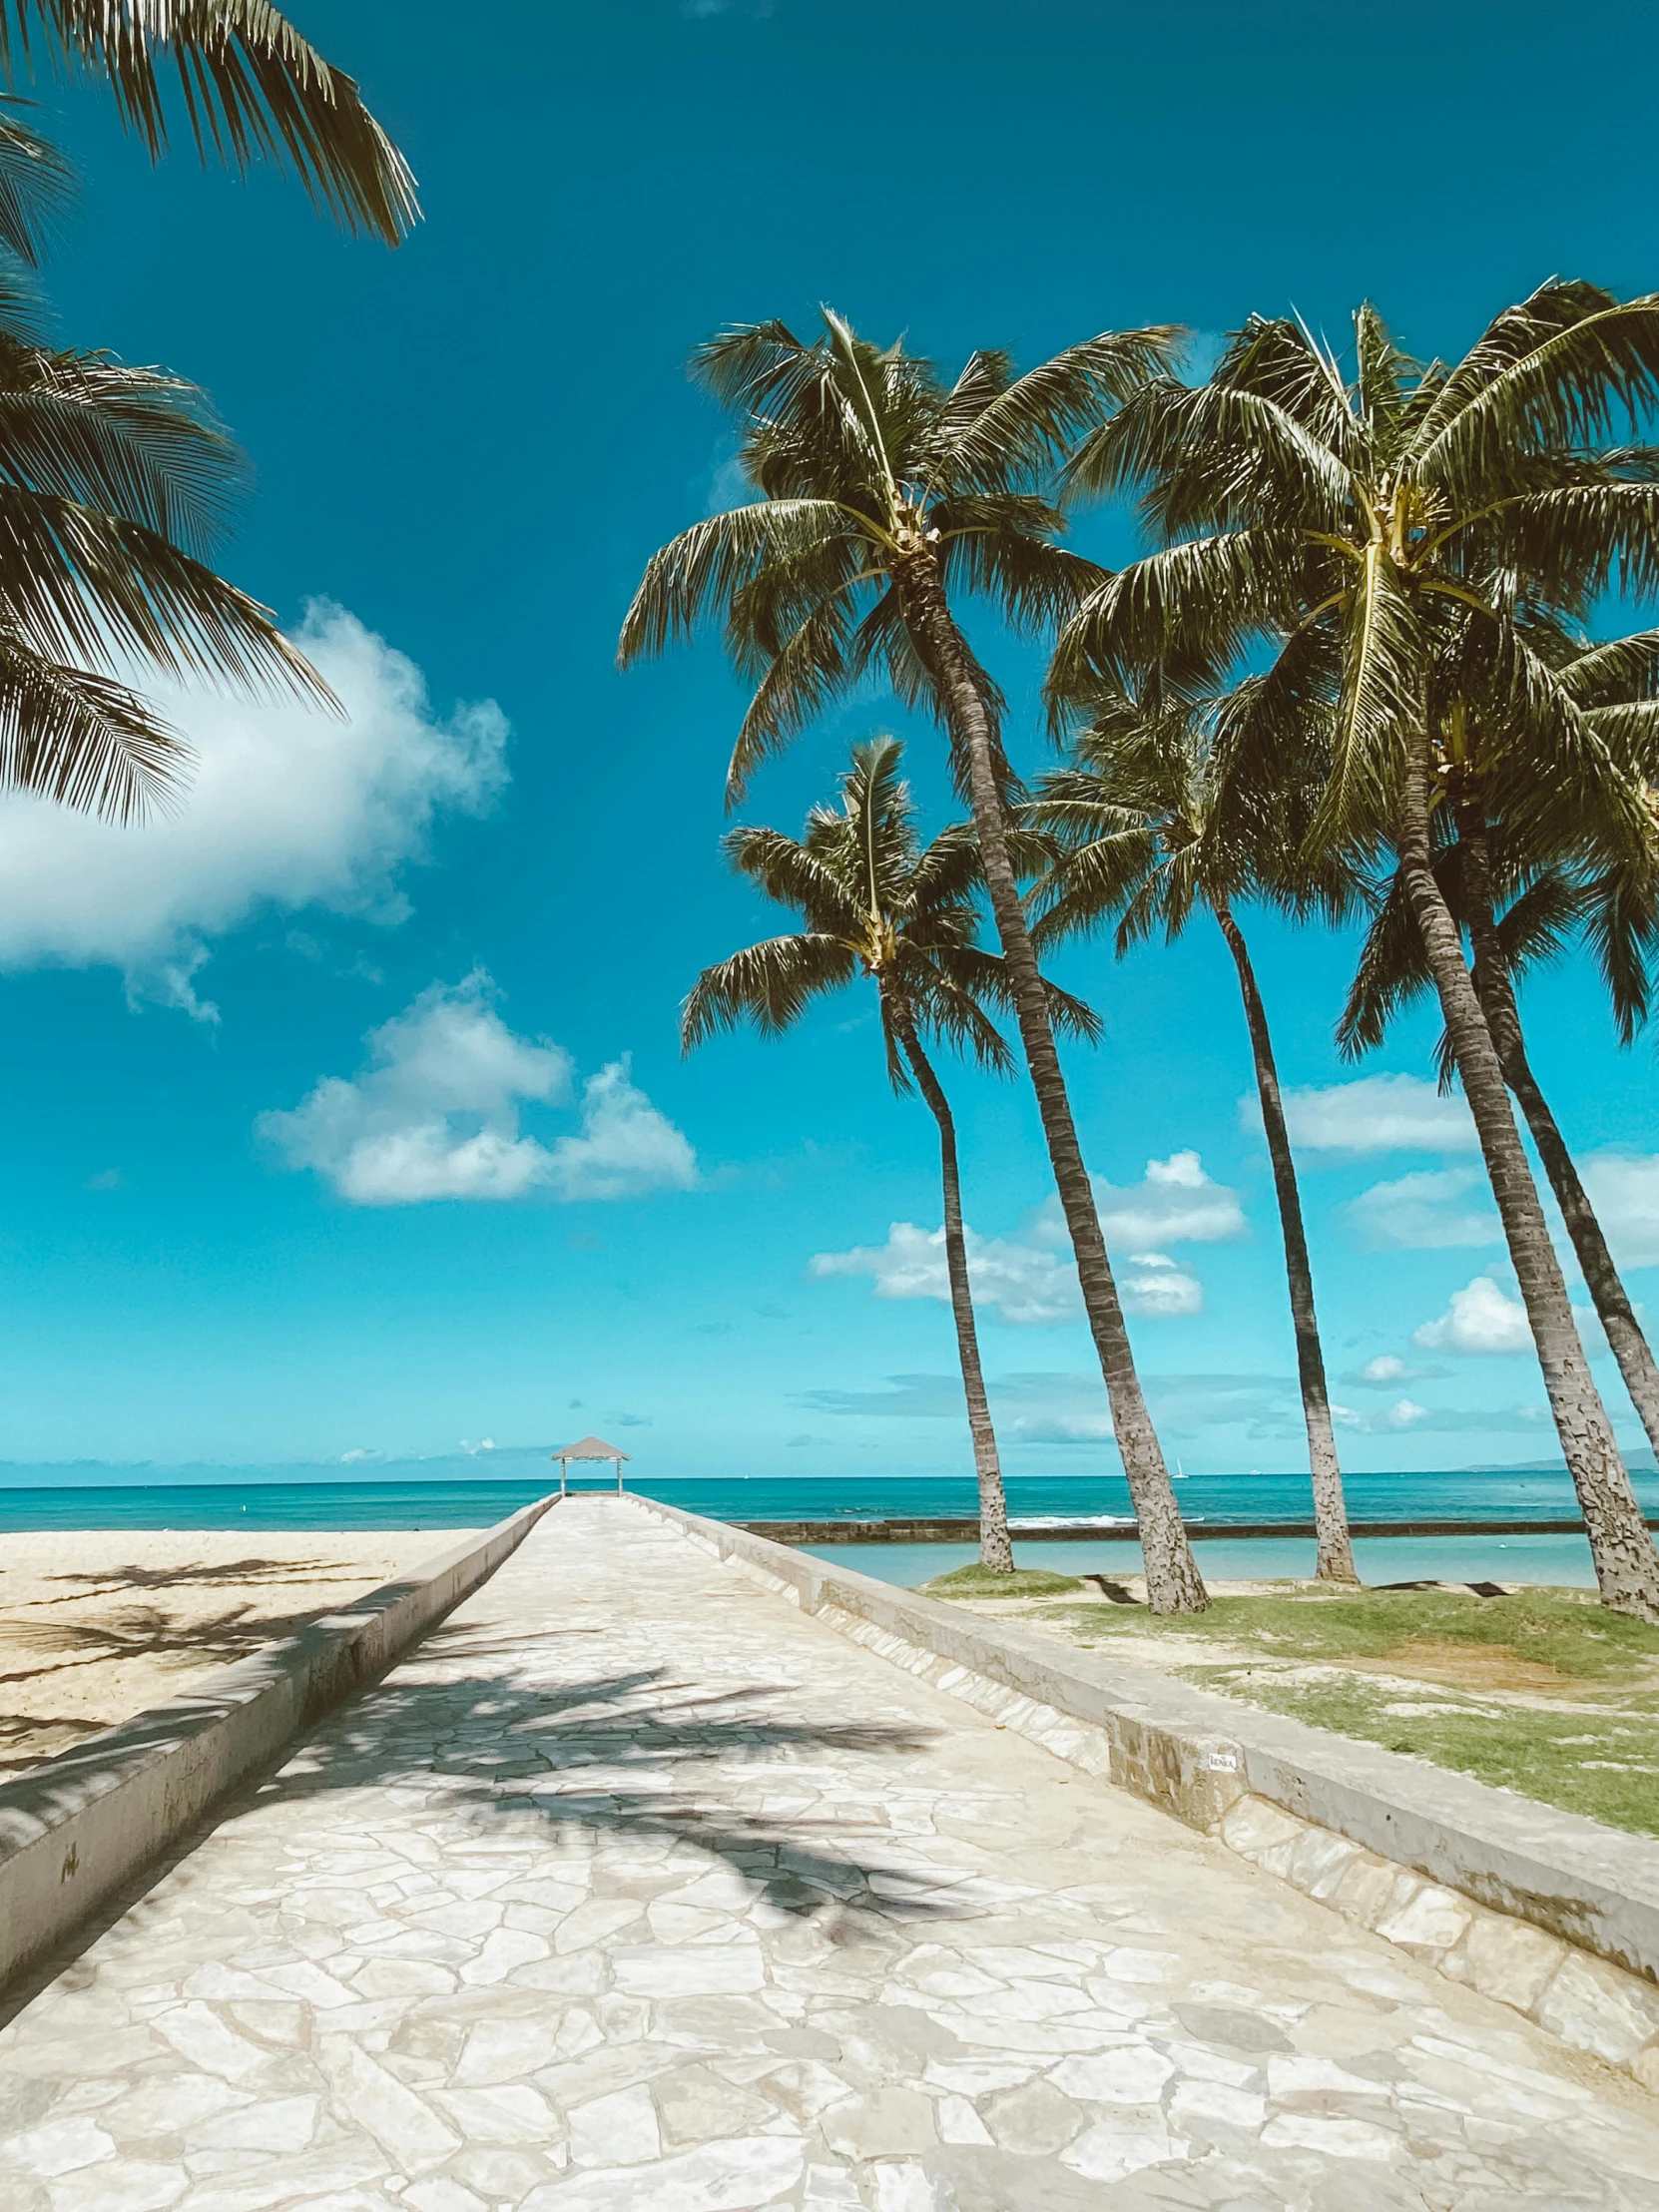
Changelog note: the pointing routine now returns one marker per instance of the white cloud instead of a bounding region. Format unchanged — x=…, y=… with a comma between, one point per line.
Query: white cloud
x=1624, y=1190
x=1483, y=1318
x=1374, y=1113
x=1425, y=1211
x=1174, y=1203
x=1480, y=1318
x=1027, y=1283
x=1155, y=1284
x=436, y=1111
x=1406, y=1414
x=1388, y=1368
x=625, y=1146
x=291, y=808
x=1030, y=1278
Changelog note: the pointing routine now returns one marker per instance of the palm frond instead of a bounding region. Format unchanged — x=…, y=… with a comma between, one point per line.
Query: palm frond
x=36, y=185
x=1619, y=923
x=135, y=443
x=1615, y=672
x=714, y=560
x=769, y=984
x=1562, y=367
x=86, y=742
x=250, y=87
x=1021, y=428
x=1188, y=611
x=1392, y=974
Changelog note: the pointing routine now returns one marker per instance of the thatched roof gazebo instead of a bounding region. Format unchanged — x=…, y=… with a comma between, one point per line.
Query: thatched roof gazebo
x=590, y=1447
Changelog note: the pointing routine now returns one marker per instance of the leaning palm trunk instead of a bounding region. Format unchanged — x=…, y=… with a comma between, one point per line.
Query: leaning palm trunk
x=1172, y=1582
x=996, y=1549
x=1495, y=989
x=1627, y=1568
x=1334, y=1562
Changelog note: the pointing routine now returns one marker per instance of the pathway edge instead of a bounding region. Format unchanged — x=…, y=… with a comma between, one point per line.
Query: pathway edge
x=1544, y=1911
x=77, y=1827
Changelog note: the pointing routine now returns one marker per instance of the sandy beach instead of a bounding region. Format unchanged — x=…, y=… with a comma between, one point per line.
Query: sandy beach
x=96, y=1624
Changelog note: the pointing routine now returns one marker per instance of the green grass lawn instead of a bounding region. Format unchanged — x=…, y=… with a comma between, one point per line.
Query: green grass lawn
x=1605, y=1765
x=1543, y=1692
x=1564, y=1630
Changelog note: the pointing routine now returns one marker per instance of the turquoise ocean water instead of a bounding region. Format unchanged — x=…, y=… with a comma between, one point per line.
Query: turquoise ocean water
x=470, y=1493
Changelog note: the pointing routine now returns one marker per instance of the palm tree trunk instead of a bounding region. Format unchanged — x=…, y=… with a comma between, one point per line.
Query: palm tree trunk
x=1334, y=1560
x=1495, y=989
x=1172, y=1582
x=996, y=1549
x=1627, y=1568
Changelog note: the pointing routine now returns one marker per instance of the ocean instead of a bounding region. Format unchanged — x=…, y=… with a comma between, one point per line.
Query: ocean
x=412, y=1495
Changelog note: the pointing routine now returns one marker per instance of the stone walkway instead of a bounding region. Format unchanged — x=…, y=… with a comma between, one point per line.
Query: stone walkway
x=633, y=1891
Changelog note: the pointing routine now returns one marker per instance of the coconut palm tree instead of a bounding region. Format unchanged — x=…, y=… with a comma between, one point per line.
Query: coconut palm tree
x=1507, y=837
x=1152, y=824
x=114, y=482
x=246, y=83
x=885, y=496
x=1322, y=521
x=874, y=902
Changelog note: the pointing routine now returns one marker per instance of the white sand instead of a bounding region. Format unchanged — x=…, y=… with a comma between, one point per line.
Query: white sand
x=98, y=1623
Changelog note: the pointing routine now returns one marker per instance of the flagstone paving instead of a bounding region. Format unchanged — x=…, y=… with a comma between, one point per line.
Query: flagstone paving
x=635, y=1888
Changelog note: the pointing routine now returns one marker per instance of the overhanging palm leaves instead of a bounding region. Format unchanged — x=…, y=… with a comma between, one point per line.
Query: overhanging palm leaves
x=864, y=458
x=114, y=482
x=247, y=85
x=1334, y=523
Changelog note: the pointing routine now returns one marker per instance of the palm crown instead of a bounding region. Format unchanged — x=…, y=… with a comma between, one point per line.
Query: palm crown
x=1562, y=857
x=862, y=455
x=1159, y=811
x=873, y=901
x=1339, y=520
x=1337, y=528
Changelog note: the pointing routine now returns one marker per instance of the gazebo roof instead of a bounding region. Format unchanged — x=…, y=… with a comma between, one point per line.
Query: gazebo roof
x=590, y=1447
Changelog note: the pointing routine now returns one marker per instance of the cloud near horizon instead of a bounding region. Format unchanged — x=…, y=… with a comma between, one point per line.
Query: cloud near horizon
x=290, y=807
x=435, y=1113
x=1030, y=1279
x=1036, y=1407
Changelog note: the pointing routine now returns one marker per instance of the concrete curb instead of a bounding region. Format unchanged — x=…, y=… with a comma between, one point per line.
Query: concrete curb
x=1544, y=1911
x=77, y=1827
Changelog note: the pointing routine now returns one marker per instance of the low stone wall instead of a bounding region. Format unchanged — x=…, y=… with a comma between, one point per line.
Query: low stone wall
x=1540, y=1909
x=76, y=1828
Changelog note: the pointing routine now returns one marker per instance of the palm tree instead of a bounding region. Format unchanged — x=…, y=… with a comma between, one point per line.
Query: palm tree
x=874, y=902
x=114, y=482
x=1324, y=522
x=248, y=87
x=1506, y=833
x=883, y=494
x=1151, y=826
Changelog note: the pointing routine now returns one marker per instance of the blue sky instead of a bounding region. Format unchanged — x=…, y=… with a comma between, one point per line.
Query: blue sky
x=345, y=1115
